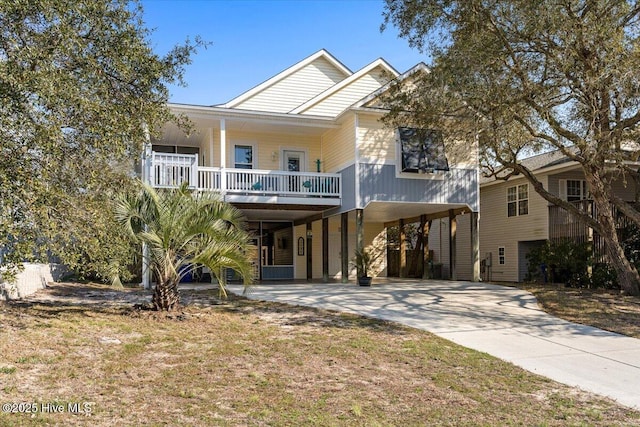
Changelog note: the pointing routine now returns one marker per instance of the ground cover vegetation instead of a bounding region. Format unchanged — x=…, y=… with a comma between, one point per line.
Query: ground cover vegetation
x=522, y=77
x=242, y=362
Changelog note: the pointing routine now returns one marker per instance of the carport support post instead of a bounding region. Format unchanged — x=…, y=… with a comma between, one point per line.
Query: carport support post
x=453, y=225
x=403, y=248
x=424, y=229
x=344, y=245
x=309, y=251
x=325, y=250
x=359, y=234
x=475, y=247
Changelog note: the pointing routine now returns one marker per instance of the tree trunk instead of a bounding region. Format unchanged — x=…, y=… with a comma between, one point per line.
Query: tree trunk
x=166, y=296
x=628, y=277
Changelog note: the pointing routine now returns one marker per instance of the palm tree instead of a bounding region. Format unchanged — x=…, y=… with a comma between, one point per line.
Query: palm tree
x=184, y=230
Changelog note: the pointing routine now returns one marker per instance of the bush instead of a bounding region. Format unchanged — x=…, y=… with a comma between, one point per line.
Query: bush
x=562, y=261
x=567, y=262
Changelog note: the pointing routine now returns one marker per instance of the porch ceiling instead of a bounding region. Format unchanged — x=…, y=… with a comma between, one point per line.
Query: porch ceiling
x=275, y=214
x=393, y=211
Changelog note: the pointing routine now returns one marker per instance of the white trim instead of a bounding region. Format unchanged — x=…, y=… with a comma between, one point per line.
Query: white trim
x=435, y=176
x=289, y=71
x=517, y=199
x=207, y=113
x=337, y=87
x=245, y=143
x=563, y=188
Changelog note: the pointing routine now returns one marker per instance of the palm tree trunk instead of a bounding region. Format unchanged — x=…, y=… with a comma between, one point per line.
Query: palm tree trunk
x=166, y=296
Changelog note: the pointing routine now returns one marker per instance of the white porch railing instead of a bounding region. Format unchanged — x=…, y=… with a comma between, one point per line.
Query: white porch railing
x=171, y=170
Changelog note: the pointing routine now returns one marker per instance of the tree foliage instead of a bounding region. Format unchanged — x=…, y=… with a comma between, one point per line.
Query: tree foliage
x=184, y=230
x=524, y=76
x=79, y=86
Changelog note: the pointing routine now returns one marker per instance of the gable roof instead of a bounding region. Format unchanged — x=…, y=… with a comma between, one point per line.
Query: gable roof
x=420, y=67
x=347, y=101
x=535, y=164
x=331, y=70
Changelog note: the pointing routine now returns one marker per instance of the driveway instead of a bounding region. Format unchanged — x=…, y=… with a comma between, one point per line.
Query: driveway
x=504, y=322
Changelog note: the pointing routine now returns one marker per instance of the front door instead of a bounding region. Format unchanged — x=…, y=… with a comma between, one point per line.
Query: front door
x=294, y=161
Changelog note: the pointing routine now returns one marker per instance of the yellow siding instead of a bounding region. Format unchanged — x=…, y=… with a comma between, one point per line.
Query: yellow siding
x=338, y=146
x=462, y=154
x=337, y=102
x=499, y=230
x=376, y=243
x=216, y=151
x=375, y=141
x=267, y=144
x=300, y=262
x=316, y=254
x=295, y=89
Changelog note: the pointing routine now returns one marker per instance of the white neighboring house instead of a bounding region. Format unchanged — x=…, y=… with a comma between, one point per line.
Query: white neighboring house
x=306, y=158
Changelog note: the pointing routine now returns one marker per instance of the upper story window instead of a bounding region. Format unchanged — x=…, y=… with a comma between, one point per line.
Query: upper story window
x=573, y=190
x=518, y=200
x=243, y=157
x=422, y=150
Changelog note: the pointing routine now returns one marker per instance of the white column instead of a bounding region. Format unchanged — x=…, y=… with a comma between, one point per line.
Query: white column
x=223, y=156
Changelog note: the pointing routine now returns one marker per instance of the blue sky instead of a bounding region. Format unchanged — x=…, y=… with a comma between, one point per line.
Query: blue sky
x=252, y=41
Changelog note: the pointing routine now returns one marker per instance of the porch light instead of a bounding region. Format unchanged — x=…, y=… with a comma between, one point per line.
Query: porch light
x=274, y=156
x=309, y=233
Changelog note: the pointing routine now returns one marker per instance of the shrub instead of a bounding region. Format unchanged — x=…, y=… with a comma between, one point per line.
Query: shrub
x=562, y=260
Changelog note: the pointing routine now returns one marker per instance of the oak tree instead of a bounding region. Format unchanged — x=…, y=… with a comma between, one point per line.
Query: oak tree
x=79, y=86
x=527, y=76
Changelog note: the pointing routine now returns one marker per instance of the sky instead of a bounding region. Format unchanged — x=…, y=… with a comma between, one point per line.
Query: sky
x=251, y=41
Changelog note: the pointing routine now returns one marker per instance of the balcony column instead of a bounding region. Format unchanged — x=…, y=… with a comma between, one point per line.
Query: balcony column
x=325, y=250
x=360, y=233
x=403, y=248
x=453, y=225
x=309, y=251
x=223, y=156
x=344, y=245
x=424, y=233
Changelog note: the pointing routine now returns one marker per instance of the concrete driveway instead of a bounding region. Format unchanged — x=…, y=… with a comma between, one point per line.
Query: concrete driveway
x=504, y=322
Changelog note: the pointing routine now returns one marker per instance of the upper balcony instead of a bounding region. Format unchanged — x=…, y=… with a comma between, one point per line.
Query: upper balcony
x=250, y=186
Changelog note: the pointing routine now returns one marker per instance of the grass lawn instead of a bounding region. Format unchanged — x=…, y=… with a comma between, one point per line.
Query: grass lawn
x=600, y=308
x=253, y=363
